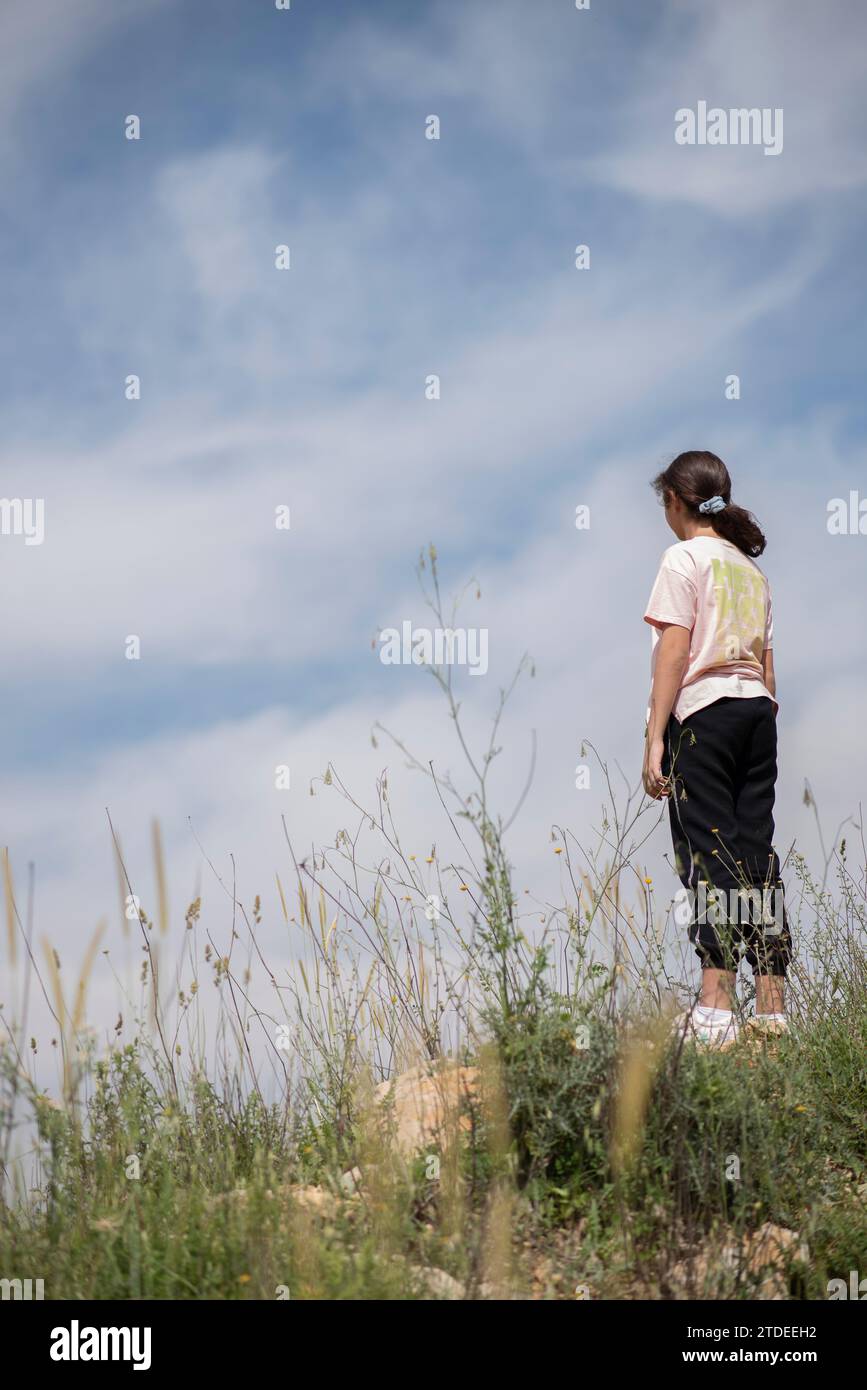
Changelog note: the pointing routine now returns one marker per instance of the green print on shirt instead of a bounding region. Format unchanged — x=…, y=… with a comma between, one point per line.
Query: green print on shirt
x=740, y=597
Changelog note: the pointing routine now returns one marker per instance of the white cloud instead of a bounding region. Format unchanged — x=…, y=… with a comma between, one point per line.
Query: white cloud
x=179, y=507
x=743, y=54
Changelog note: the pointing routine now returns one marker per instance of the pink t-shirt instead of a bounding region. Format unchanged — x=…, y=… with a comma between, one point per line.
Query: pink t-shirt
x=710, y=587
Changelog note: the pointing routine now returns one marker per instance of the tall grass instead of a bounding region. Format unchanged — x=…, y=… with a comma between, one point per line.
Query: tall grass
x=237, y=1149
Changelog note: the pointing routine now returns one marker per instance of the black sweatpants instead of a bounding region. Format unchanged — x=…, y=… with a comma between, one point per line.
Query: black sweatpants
x=723, y=765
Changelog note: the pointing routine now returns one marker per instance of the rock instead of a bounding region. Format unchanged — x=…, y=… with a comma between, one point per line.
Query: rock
x=761, y=1257
x=438, y=1283
x=768, y=1252
x=351, y=1182
x=236, y=1198
x=425, y=1106
x=707, y=1273
x=306, y=1195
x=496, y=1293
x=315, y=1199
x=106, y=1223
x=761, y=1028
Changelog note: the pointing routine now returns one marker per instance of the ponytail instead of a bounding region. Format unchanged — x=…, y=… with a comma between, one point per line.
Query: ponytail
x=739, y=526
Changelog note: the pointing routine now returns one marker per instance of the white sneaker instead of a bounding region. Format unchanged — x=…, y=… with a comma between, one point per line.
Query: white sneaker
x=710, y=1027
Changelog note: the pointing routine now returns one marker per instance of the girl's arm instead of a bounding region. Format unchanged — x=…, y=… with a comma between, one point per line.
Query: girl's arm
x=768, y=670
x=672, y=657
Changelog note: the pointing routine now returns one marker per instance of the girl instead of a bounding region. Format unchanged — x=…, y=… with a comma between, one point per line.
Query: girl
x=711, y=739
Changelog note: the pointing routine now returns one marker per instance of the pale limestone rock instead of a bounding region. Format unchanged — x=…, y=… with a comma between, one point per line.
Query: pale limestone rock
x=438, y=1283
x=425, y=1104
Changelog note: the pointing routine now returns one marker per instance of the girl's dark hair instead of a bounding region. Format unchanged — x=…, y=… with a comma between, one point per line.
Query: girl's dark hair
x=696, y=476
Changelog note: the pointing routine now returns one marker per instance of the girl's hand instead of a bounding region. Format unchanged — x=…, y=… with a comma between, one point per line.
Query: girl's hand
x=655, y=784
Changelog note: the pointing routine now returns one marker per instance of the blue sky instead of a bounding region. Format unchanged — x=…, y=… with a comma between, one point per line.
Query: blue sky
x=409, y=257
